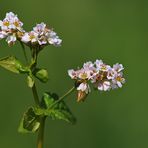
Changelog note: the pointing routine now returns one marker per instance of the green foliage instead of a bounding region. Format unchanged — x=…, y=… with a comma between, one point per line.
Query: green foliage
x=55, y=110
x=30, y=122
x=12, y=64
x=41, y=74
x=30, y=81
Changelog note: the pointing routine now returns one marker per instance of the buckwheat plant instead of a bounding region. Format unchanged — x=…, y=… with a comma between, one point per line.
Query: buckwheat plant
x=101, y=76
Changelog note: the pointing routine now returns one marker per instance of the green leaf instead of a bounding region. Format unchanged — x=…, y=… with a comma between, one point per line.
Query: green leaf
x=41, y=74
x=30, y=122
x=58, y=111
x=30, y=81
x=12, y=64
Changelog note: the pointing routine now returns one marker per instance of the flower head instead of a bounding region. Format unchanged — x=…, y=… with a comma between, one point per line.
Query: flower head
x=42, y=35
x=102, y=76
x=10, y=26
x=11, y=22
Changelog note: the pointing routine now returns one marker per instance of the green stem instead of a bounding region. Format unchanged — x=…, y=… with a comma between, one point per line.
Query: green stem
x=61, y=98
x=42, y=120
x=40, y=140
x=34, y=55
x=24, y=52
x=36, y=98
x=35, y=95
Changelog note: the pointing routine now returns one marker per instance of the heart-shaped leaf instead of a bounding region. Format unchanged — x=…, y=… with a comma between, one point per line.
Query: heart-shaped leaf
x=12, y=64
x=58, y=111
x=30, y=122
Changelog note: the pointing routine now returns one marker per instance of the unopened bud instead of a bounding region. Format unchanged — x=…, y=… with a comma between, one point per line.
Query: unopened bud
x=41, y=74
x=81, y=96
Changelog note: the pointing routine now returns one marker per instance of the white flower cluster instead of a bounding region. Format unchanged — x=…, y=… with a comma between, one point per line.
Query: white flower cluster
x=11, y=29
x=103, y=76
x=42, y=36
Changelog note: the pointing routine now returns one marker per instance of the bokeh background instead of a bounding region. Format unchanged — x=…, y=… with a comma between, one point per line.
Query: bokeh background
x=114, y=31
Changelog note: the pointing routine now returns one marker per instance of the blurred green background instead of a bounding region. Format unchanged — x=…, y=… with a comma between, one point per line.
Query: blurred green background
x=114, y=31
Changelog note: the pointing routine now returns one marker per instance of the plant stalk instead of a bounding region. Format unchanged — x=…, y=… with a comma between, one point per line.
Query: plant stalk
x=35, y=95
x=40, y=140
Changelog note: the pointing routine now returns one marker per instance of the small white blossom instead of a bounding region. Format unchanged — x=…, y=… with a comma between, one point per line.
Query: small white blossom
x=104, y=86
x=101, y=66
x=10, y=26
x=3, y=34
x=84, y=74
x=118, y=67
x=118, y=81
x=11, y=40
x=88, y=65
x=53, y=39
x=30, y=37
x=98, y=63
x=111, y=74
x=84, y=87
x=40, y=28
x=26, y=38
x=72, y=74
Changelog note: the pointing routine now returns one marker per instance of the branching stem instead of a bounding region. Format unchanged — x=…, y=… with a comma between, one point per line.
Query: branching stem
x=62, y=97
x=40, y=139
x=24, y=52
x=34, y=55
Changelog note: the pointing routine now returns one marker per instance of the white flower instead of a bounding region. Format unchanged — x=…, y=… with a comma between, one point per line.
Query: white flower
x=100, y=66
x=42, y=35
x=46, y=35
x=104, y=86
x=84, y=87
x=84, y=74
x=118, y=67
x=25, y=38
x=11, y=39
x=111, y=73
x=11, y=21
x=98, y=63
x=118, y=81
x=30, y=37
x=53, y=39
x=40, y=28
x=3, y=34
x=88, y=65
x=4, y=25
x=105, y=67
x=72, y=74
x=41, y=32
x=10, y=26
x=10, y=15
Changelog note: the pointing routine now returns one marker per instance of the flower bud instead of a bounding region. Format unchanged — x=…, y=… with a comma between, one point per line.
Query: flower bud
x=81, y=96
x=41, y=74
